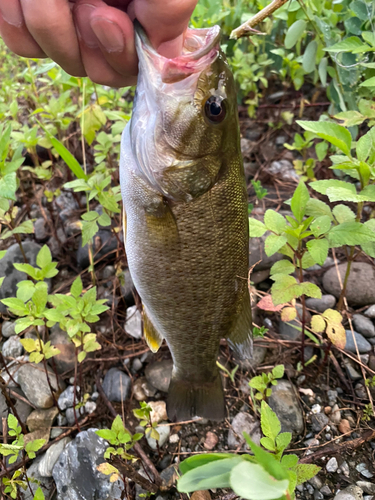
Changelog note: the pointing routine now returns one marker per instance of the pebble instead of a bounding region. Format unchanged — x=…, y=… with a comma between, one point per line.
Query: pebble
x=22, y=408
x=90, y=407
x=75, y=472
x=364, y=325
x=345, y=469
x=360, y=391
x=174, y=438
x=243, y=422
x=335, y=415
x=332, y=465
x=370, y=312
x=41, y=419
x=41, y=229
x=127, y=287
x=137, y=365
x=159, y=411
x=45, y=483
x=315, y=409
x=12, y=348
x=142, y=389
x=320, y=305
x=66, y=398
x=350, y=493
x=319, y=421
x=116, y=385
x=259, y=354
x=70, y=417
x=288, y=331
x=344, y=426
x=50, y=457
x=284, y=170
x=285, y=404
x=363, y=345
x=164, y=431
x=326, y=491
x=210, y=441
x=66, y=359
x=360, y=291
x=133, y=324
x=260, y=276
x=350, y=369
x=367, y=487
x=7, y=329
x=363, y=469
x=332, y=396
x=159, y=374
x=33, y=381
x=316, y=482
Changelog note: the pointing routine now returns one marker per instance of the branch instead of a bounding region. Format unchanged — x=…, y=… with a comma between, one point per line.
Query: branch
x=247, y=28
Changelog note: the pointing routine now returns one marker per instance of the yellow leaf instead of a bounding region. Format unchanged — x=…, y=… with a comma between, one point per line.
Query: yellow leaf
x=318, y=324
x=288, y=314
x=107, y=469
x=28, y=344
x=332, y=316
x=336, y=334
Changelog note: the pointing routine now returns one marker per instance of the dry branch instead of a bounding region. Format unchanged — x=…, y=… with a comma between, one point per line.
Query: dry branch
x=247, y=28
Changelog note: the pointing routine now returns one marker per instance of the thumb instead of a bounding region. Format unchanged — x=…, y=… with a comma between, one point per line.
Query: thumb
x=165, y=22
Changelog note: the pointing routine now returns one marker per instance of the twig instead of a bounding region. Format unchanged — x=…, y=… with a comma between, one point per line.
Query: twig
x=246, y=29
x=128, y=471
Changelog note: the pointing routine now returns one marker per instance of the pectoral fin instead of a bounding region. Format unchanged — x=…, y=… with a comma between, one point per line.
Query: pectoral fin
x=152, y=336
x=241, y=339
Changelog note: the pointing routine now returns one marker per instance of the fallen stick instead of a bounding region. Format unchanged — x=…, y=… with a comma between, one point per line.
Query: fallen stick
x=247, y=28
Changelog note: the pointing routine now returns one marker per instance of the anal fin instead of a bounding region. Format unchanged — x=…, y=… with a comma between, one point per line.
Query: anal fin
x=153, y=338
x=241, y=340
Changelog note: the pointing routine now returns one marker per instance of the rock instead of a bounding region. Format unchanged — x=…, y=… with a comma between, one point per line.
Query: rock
x=335, y=415
x=345, y=469
x=39, y=434
x=350, y=493
x=210, y=441
x=159, y=411
x=41, y=229
x=133, y=324
x=363, y=345
x=71, y=417
x=332, y=396
x=364, y=325
x=360, y=391
x=352, y=372
x=365, y=358
x=143, y=389
x=23, y=409
x=33, y=381
x=360, y=291
x=243, y=422
x=90, y=407
x=127, y=287
x=288, y=331
x=259, y=353
x=7, y=329
x=46, y=483
x=66, y=359
x=104, y=243
x=55, y=243
x=174, y=438
x=75, y=472
x=363, y=469
x=66, y=398
x=163, y=431
x=320, y=305
x=367, y=487
x=136, y=365
x=332, y=465
x=116, y=385
x=12, y=348
x=256, y=249
x=370, y=312
x=170, y=476
x=319, y=421
x=41, y=419
x=12, y=276
x=284, y=403
x=159, y=374
x=284, y=171
x=51, y=456
x=326, y=491
x=344, y=426
x=260, y=276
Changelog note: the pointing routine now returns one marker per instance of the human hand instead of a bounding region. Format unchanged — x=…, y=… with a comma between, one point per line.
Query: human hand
x=93, y=38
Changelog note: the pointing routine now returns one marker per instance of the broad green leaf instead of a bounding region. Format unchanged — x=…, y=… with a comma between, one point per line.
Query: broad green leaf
x=308, y=59
x=311, y=290
x=322, y=70
x=365, y=147
x=307, y=261
x=282, y=267
x=343, y=213
x=294, y=33
x=299, y=201
x=350, y=118
x=39, y=495
x=322, y=186
x=268, y=443
x=89, y=230
x=360, y=9
x=305, y=472
x=318, y=250
x=262, y=486
x=8, y=186
x=289, y=461
x=351, y=44
x=369, y=248
x=317, y=208
x=283, y=440
x=12, y=422
x=343, y=194
x=269, y=422
x=321, y=149
x=256, y=228
x=273, y=243
x=320, y=225
x=44, y=257
x=212, y=475
x=331, y=132
x=285, y=290
x=274, y=221
x=370, y=82
x=199, y=460
x=77, y=287
x=350, y=233
x=266, y=460
x=278, y=371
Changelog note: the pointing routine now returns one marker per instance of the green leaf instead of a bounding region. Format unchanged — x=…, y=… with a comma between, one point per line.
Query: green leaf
x=318, y=250
x=311, y=290
x=285, y=290
x=370, y=82
x=305, y=472
x=266, y=460
x=29, y=344
x=365, y=147
x=351, y=44
x=317, y=208
x=282, y=267
x=117, y=424
x=343, y=213
x=210, y=475
x=369, y=248
x=274, y=221
x=262, y=486
x=335, y=134
x=320, y=225
x=77, y=287
x=44, y=257
x=299, y=201
x=322, y=186
x=360, y=10
x=350, y=233
x=273, y=243
x=39, y=495
x=268, y=443
x=256, y=228
x=308, y=59
x=89, y=230
x=90, y=216
x=321, y=149
x=289, y=461
x=104, y=220
x=278, y=371
x=8, y=186
x=270, y=424
x=294, y=33
x=107, y=434
x=350, y=118
x=283, y=440
x=322, y=70
x=12, y=422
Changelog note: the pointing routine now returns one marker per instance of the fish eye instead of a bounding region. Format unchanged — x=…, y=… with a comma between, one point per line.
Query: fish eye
x=215, y=109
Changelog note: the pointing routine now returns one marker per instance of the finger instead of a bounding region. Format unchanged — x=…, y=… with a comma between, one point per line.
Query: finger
x=165, y=22
x=109, y=46
x=50, y=22
x=14, y=31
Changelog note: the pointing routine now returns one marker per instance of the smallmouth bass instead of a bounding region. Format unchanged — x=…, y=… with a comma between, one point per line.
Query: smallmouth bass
x=185, y=202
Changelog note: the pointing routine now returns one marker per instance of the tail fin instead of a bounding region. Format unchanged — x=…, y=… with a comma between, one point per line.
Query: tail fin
x=187, y=400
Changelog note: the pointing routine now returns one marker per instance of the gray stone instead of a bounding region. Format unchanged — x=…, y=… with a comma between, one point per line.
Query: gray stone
x=116, y=385
x=363, y=345
x=335, y=415
x=143, y=389
x=284, y=403
x=12, y=276
x=368, y=497
x=320, y=305
x=243, y=422
x=360, y=289
x=332, y=396
x=367, y=487
x=260, y=276
x=284, y=171
x=7, y=329
x=66, y=398
x=50, y=457
x=292, y=329
x=136, y=365
x=33, y=381
x=127, y=287
x=351, y=370
x=319, y=421
x=22, y=408
x=370, y=312
x=345, y=469
x=363, y=469
x=71, y=417
x=364, y=325
x=90, y=407
x=316, y=482
x=326, y=490
x=12, y=348
x=164, y=431
x=66, y=359
x=46, y=483
x=259, y=353
x=159, y=374
x=41, y=229
x=332, y=465
x=133, y=324
x=350, y=493
x=104, y=243
x=75, y=472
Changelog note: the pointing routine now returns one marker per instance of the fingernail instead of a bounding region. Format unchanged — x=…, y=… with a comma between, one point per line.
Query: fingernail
x=85, y=32
x=12, y=13
x=109, y=34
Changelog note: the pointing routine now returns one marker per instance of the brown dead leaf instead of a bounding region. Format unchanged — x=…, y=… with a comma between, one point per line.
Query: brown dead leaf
x=200, y=495
x=267, y=305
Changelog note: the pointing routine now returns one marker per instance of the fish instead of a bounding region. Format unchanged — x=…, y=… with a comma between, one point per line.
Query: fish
x=185, y=202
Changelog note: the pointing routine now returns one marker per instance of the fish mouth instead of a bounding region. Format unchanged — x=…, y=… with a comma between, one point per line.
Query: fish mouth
x=201, y=48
